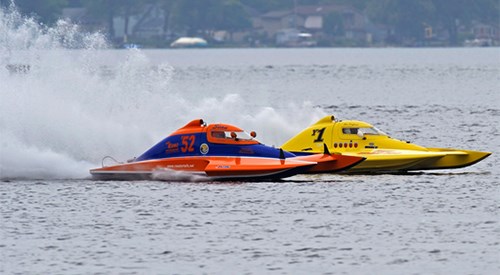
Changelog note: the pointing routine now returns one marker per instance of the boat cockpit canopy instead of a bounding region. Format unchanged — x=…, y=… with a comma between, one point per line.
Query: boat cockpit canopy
x=361, y=131
x=229, y=135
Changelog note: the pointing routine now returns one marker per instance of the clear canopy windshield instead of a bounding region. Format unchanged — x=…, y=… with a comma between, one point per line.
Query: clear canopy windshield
x=236, y=135
x=363, y=131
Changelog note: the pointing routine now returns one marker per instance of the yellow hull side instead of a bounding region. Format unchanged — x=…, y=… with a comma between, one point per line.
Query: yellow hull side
x=452, y=159
x=382, y=152
x=392, y=160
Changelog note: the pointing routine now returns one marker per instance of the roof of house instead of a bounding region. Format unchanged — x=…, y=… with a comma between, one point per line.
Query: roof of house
x=309, y=10
x=322, y=9
x=277, y=14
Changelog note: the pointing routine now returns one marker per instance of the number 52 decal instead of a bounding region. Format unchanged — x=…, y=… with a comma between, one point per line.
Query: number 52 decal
x=187, y=143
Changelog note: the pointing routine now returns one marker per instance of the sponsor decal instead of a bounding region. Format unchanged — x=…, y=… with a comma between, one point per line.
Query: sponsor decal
x=352, y=124
x=172, y=147
x=220, y=127
x=246, y=151
x=204, y=148
x=377, y=152
x=184, y=165
x=223, y=166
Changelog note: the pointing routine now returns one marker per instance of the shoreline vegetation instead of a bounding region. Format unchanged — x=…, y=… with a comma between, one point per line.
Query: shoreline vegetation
x=276, y=23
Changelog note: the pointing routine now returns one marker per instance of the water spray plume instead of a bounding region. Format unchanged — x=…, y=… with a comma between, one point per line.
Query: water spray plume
x=68, y=99
x=64, y=112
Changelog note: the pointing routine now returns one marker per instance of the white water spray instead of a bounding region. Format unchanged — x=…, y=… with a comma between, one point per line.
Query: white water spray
x=173, y=175
x=67, y=107
x=61, y=114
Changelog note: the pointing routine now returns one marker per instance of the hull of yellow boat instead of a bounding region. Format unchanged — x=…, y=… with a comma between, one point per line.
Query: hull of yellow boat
x=408, y=160
x=453, y=159
x=382, y=152
x=392, y=160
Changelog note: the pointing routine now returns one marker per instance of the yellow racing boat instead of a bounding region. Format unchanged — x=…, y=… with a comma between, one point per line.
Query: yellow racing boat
x=382, y=153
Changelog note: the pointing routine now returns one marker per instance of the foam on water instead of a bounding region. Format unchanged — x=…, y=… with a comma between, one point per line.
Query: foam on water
x=67, y=111
x=173, y=175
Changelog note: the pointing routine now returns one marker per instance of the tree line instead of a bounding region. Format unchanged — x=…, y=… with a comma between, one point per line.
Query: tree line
x=407, y=18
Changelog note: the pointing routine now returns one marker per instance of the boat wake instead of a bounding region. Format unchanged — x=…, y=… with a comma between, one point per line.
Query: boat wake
x=173, y=175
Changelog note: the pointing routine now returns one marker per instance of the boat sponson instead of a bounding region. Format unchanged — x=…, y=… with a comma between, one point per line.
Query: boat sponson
x=454, y=158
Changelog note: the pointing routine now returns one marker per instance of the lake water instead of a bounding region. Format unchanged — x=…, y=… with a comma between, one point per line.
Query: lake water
x=74, y=107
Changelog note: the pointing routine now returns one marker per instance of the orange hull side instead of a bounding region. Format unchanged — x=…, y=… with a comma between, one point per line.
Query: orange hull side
x=180, y=164
x=241, y=166
x=222, y=167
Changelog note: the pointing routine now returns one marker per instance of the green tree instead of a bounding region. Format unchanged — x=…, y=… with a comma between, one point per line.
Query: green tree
x=233, y=17
x=107, y=10
x=167, y=7
x=205, y=16
x=408, y=17
x=104, y=10
x=452, y=14
x=268, y=5
x=334, y=25
x=47, y=11
x=188, y=15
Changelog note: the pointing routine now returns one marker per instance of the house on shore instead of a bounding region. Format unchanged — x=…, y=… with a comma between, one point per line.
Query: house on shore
x=328, y=23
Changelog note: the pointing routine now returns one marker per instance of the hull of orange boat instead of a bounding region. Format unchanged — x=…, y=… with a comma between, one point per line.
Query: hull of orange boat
x=212, y=167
